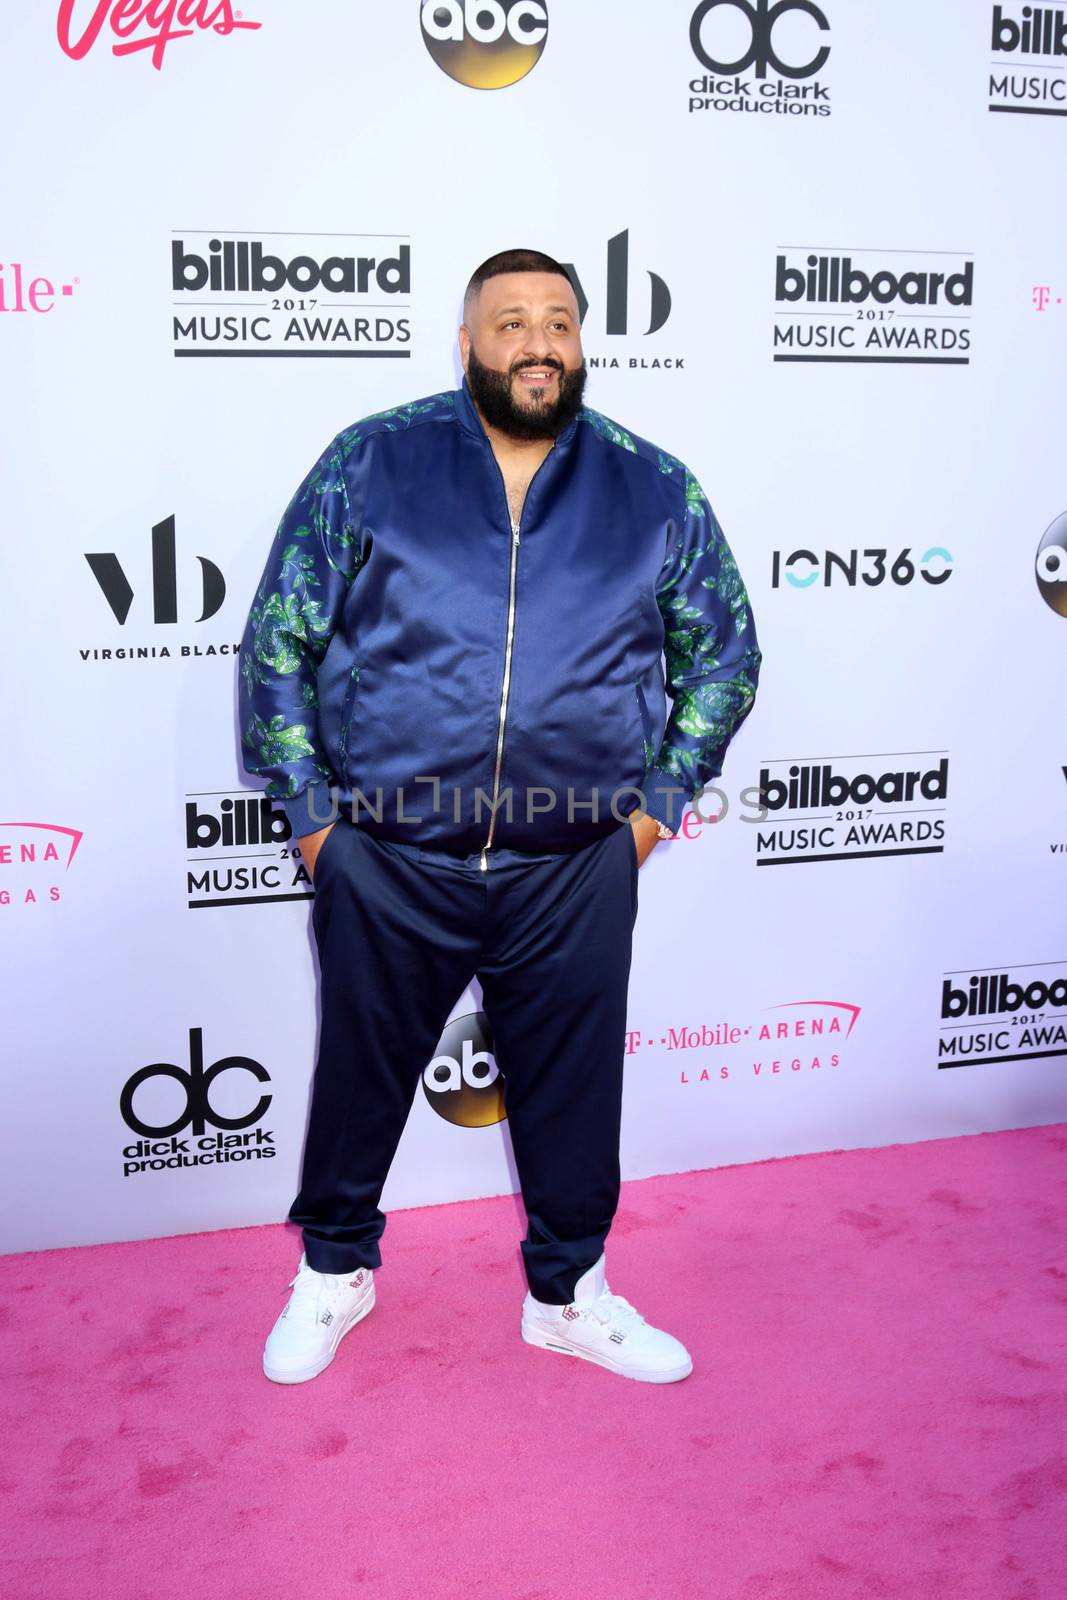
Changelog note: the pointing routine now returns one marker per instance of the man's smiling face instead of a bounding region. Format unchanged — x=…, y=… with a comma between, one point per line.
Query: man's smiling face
x=522, y=352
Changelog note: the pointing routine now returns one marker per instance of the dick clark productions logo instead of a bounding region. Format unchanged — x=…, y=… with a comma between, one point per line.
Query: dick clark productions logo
x=783, y=39
x=486, y=44
x=160, y=1146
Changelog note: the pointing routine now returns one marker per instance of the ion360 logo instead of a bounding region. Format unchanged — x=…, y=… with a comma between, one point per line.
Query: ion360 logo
x=486, y=44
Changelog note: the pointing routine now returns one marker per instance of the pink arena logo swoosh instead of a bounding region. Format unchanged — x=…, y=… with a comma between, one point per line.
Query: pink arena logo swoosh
x=73, y=835
x=837, y=1005
x=162, y=20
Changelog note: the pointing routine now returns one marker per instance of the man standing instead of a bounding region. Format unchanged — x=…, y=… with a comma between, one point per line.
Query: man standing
x=452, y=676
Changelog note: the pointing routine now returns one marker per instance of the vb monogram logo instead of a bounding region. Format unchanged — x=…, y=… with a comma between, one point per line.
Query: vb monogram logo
x=118, y=591
x=618, y=290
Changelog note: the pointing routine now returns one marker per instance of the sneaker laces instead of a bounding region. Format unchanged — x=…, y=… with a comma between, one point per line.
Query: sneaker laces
x=612, y=1310
x=309, y=1286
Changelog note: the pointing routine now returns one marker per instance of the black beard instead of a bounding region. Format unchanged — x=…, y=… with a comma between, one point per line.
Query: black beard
x=492, y=395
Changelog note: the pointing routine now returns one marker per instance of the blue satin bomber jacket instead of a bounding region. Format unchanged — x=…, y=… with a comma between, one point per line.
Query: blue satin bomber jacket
x=453, y=681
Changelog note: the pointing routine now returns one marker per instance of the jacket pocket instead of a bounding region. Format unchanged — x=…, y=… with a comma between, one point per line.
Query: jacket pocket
x=648, y=749
x=325, y=849
x=348, y=709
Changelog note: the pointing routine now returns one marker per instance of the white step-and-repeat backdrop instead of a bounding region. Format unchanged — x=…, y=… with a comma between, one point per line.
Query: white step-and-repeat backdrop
x=823, y=250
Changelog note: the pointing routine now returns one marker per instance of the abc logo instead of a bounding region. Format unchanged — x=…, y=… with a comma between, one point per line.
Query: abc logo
x=463, y=1083
x=195, y=1085
x=486, y=44
x=1051, y=566
x=758, y=22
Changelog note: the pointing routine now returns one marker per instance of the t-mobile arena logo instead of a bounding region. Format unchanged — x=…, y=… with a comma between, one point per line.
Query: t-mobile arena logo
x=151, y=26
x=35, y=858
x=21, y=292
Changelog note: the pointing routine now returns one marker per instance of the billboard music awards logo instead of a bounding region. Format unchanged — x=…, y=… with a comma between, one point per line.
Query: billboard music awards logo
x=290, y=294
x=852, y=808
x=34, y=860
x=620, y=312
x=1003, y=1014
x=486, y=44
x=1028, y=61
x=791, y=1040
x=1051, y=565
x=239, y=851
x=463, y=1082
x=197, y=599
x=136, y=27
x=901, y=306
x=184, y=1120
x=760, y=58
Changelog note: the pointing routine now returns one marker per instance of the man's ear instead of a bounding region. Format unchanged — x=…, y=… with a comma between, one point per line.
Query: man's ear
x=464, y=345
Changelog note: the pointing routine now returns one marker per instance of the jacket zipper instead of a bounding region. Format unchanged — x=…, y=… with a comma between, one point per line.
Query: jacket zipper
x=504, y=691
x=516, y=523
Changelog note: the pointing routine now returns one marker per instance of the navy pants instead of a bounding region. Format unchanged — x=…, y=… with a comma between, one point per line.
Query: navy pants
x=401, y=931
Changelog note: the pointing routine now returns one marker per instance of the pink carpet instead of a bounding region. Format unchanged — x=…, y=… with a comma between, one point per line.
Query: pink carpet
x=878, y=1407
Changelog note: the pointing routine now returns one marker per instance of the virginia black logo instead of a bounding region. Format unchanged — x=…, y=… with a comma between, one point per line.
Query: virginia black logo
x=1051, y=566
x=618, y=306
x=196, y=1084
x=118, y=591
x=761, y=18
x=1058, y=847
x=616, y=303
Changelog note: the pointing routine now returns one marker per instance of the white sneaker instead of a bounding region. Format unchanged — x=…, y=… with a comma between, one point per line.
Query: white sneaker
x=322, y=1308
x=603, y=1327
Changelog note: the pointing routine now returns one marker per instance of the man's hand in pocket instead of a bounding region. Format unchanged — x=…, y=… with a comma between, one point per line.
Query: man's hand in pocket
x=310, y=845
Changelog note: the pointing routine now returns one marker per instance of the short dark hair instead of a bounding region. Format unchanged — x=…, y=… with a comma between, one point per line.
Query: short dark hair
x=512, y=261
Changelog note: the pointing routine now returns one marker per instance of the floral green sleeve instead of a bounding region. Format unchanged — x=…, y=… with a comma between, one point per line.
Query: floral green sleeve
x=312, y=563
x=711, y=654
